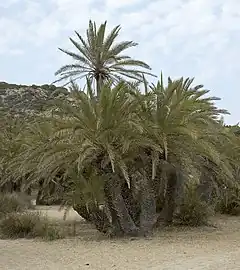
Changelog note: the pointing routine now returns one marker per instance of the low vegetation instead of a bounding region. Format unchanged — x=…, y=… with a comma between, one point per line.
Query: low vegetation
x=14, y=202
x=18, y=219
x=193, y=211
x=28, y=225
x=229, y=202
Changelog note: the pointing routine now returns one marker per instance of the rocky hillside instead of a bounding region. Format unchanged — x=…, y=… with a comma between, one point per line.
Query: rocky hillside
x=28, y=100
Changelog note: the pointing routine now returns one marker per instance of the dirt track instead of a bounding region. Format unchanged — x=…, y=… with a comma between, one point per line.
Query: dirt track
x=180, y=249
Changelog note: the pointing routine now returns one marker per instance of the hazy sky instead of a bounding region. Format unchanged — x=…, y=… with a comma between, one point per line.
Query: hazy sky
x=195, y=38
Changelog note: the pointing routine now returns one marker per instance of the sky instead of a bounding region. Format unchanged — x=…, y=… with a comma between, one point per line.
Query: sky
x=190, y=38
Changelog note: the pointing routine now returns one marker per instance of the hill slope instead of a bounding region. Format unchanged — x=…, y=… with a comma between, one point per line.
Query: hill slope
x=28, y=100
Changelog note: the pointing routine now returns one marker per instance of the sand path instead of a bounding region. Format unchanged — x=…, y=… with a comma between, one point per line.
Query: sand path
x=205, y=248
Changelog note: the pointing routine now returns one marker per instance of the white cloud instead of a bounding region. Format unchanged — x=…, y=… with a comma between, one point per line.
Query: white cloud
x=194, y=32
x=6, y=4
x=181, y=37
x=33, y=11
x=10, y=32
x=110, y=4
x=16, y=52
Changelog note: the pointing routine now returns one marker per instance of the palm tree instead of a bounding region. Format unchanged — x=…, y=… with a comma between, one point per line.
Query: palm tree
x=100, y=58
x=184, y=123
x=112, y=149
x=103, y=137
x=10, y=146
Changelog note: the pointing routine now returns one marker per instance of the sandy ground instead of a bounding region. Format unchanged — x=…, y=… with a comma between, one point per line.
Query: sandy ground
x=171, y=249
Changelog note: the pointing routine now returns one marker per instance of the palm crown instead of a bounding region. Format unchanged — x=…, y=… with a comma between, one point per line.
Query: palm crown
x=100, y=58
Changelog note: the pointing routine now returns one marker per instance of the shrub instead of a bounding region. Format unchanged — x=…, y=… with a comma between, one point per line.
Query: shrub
x=13, y=202
x=229, y=201
x=193, y=211
x=19, y=225
x=47, y=231
x=28, y=225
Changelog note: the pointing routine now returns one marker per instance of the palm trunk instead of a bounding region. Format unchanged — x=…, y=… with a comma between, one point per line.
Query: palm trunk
x=100, y=220
x=116, y=227
x=7, y=187
x=159, y=185
x=29, y=191
x=148, y=205
x=179, y=196
x=39, y=194
x=169, y=203
x=82, y=211
x=17, y=186
x=132, y=205
x=99, y=85
x=94, y=215
x=205, y=187
x=122, y=222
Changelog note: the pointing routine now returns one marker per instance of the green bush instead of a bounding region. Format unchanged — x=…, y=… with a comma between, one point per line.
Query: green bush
x=13, y=202
x=47, y=231
x=19, y=225
x=193, y=211
x=28, y=225
x=229, y=201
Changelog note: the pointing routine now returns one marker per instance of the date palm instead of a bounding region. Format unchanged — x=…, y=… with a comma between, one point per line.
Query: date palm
x=115, y=143
x=185, y=123
x=103, y=136
x=100, y=58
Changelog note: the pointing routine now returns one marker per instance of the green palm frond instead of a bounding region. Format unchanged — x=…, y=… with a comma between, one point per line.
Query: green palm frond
x=99, y=57
x=122, y=131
